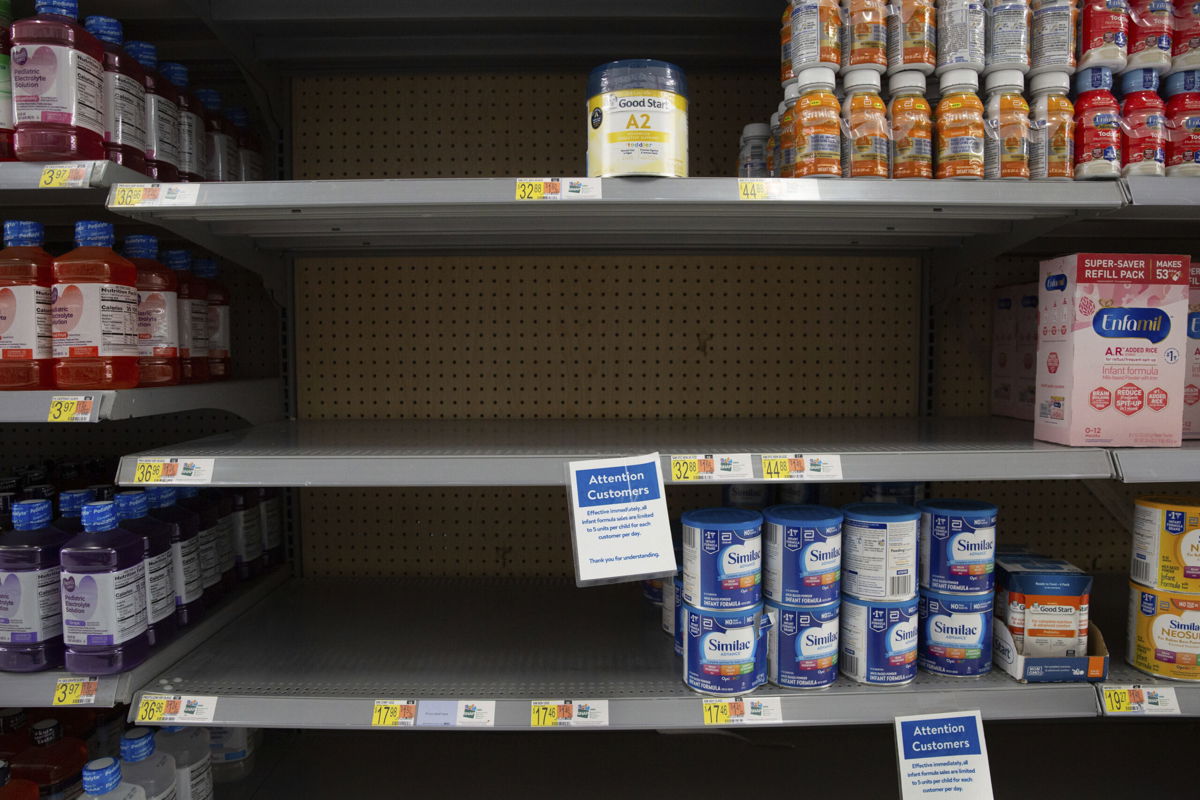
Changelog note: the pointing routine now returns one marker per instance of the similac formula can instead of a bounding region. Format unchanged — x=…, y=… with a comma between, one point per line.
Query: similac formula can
x=672, y=589
x=879, y=551
x=1166, y=543
x=912, y=36
x=1164, y=633
x=958, y=545
x=1052, y=37
x=722, y=558
x=878, y=641
x=1009, y=23
x=799, y=494
x=803, y=555
x=1150, y=30
x=725, y=652
x=1183, y=124
x=1097, y=125
x=1104, y=34
x=818, y=125
x=678, y=624
x=912, y=127
x=955, y=634
x=1143, y=125
x=786, y=73
x=802, y=645
x=865, y=43
x=1185, y=42
x=961, y=37
x=960, y=127
x=637, y=119
x=1006, y=143
x=756, y=496
x=816, y=35
x=865, y=146
x=1052, y=128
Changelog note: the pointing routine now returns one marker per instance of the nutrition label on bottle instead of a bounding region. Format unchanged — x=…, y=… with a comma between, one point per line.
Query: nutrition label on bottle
x=104, y=608
x=160, y=586
x=24, y=322
x=30, y=609
x=94, y=320
x=125, y=121
x=162, y=134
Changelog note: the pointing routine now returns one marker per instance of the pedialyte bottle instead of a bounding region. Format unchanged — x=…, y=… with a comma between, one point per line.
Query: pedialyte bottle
x=1007, y=47
x=247, y=533
x=866, y=135
x=912, y=36
x=1151, y=27
x=1183, y=119
x=187, y=498
x=912, y=127
x=191, y=124
x=251, y=164
x=1104, y=34
x=220, y=145
x=1053, y=37
x=1143, y=125
x=960, y=127
x=25, y=281
x=962, y=35
x=162, y=115
x=220, y=364
x=132, y=509
x=1006, y=121
x=865, y=44
x=816, y=35
x=30, y=605
x=183, y=525
x=192, y=301
x=124, y=96
x=1097, y=125
x=1052, y=128
x=818, y=125
x=142, y=764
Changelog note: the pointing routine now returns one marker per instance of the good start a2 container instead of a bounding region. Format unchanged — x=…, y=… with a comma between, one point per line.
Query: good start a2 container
x=722, y=558
x=958, y=545
x=637, y=119
x=724, y=652
x=956, y=633
x=802, y=554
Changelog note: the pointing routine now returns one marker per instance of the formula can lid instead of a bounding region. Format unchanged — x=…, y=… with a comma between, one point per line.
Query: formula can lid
x=802, y=515
x=1048, y=81
x=950, y=506
x=908, y=79
x=731, y=519
x=880, y=512
x=637, y=73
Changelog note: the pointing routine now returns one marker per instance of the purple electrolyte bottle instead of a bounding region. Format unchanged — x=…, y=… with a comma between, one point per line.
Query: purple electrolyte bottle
x=30, y=607
x=247, y=533
x=132, y=508
x=70, y=510
x=185, y=552
x=226, y=563
x=104, y=595
x=188, y=498
x=270, y=514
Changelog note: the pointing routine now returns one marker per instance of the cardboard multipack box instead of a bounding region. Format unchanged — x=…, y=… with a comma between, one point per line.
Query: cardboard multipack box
x=1049, y=669
x=1014, y=350
x=1044, y=604
x=1111, y=341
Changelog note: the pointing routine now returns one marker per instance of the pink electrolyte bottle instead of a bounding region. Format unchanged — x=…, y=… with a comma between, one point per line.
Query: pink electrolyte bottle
x=192, y=133
x=221, y=149
x=124, y=96
x=25, y=279
x=219, y=299
x=6, y=106
x=58, y=86
x=158, y=313
x=104, y=595
x=162, y=115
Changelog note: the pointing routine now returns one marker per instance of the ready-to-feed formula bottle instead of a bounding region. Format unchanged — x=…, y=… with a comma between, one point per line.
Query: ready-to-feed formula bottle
x=1104, y=34
x=1053, y=36
x=787, y=127
x=1006, y=148
x=752, y=157
x=786, y=73
x=1183, y=121
x=1052, y=128
x=865, y=43
x=912, y=36
x=962, y=35
x=1151, y=26
x=1097, y=125
x=1143, y=125
x=960, y=127
x=775, y=148
x=816, y=35
x=865, y=145
x=1185, y=41
x=912, y=127
x=1009, y=23
x=818, y=128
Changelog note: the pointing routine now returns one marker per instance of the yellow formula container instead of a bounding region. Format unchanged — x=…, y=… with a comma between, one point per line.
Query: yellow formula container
x=637, y=120
x=1164, y=633
x=1166, y=544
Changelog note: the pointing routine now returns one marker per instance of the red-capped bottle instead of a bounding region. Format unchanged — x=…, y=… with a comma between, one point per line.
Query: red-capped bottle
x=162, y=115
x=25, y=281
x=192, y=133
x=158, y=314
x=221, y=150
x=124, y=96
x=193, y=317
x=220, y=364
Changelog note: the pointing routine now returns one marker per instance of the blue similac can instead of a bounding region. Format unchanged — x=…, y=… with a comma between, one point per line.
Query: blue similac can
x=722, y=558
x=754, y=496
x=878, y=641
x=802, y=645
x=725, y=652
x=802, y=555
x=679, y=612
x=958, y=545
x=956, y=633
x=879, y=551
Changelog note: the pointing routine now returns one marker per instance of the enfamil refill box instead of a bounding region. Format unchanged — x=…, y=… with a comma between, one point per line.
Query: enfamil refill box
x=1112, y=337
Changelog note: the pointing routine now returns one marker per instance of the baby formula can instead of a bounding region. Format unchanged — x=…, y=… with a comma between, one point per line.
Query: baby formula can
x=879, y=551
x=803, y=565
x=722, y=558
x=958, y=545
x=637, y=119
x=878, y=641
x=1164, y=633
x=799, y=494
x=1166, y=543
x=802, y=645
x=725, y=652
x=670, y=603
x=678, y=624
x=756, y=496
x=956, y=633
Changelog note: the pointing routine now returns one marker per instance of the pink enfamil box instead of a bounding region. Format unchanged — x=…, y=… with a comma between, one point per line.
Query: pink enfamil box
x=1112, y=329
x=1191, y=392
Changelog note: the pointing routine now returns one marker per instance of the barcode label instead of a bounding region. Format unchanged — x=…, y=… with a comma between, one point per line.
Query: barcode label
x=900, y=585
x=772, y=533
x=690, y=540
x=1140, y=571
x=849, y=664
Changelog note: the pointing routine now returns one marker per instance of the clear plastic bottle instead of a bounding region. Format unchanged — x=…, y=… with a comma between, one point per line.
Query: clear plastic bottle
x=866, y=44
x=912, y=127
x=31, y=633
x=960, y=127
x=1185, y=40
x=191, y=124
x=1182, y=91
x=25, y=281
x=132, y=509
x=912, y=36
x=752, y=163
x=962, y=35
x=193, y=317
x=54, y=761
x=1151, y=28
x=193, y=760
x=220, y=145
x=16, y=788
x=786, y=73
x=220, y=365
x=6, y=101
x=188, y=498
x=102, y=780
x=1006, y=120
x=1104, y=34
x=816, y=35
x=1052, y=128
x=247, y=532
x=251, y=163
x=866, y=144
x=104, y=595
x=1053, y=37
x=94, y=316
x=144, y=765
x=1143, y=125
x=1097, y=125
x=818, y=125
x=787, y=130
x=162, y=115
x=233, y=752
x=124, y=96
x=158, y=313
x=1007, y=46
x=184, y=527
x=58, y=86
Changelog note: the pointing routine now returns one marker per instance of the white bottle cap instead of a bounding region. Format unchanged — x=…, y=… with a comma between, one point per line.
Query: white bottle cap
x=756, y=129
x=861, y=79
x=782, y=109
x=960, y=77
x=1011, y=79
x=775, y=120
x=909, y=79
x=814, y=76
x=792, y=92
x=1049, y=81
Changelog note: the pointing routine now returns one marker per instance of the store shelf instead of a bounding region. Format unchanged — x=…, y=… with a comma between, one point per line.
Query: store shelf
x=37, y=689
x=1120, y=673
x=1158, y=464
x=319, y=652
x=82, y=196
x=634, y=215
x=535, y=452
x=256, y=401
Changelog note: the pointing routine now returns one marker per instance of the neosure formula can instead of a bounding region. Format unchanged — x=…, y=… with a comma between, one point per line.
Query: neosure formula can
x=956, y=633
x=725, y=652
x=802, y=645
x=1164, y=633
x=722, y=558
x=803, y=555
x=958, y=545
x=879, y=551
x=879, y=641
x=637, y=120
x=1166, y=543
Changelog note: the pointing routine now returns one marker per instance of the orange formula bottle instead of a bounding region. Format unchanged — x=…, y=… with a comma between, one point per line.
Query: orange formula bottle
x=865, y=132
x=912, y=127
x=960, y=129
x=1006, y=146
x=865, y=42
x=818, y=128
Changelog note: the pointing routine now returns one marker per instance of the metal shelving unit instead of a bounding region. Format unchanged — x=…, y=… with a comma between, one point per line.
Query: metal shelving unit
x=37, y=688
x=80, y=193
x=1158, y=464
x=535, y=452
x=298, y=661
x=256, y=401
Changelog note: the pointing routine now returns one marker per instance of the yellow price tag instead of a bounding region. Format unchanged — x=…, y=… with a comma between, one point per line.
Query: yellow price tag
x=128, y=195
x=720, y=712
x=531, y=190
x=685, y=469
x=549, y=713
x=752, y=190
x=74, y=692
x=62, y=410
x=394, y=714
x=54, y=177
x=776, y=469
x=148, y=472
x=152, y=709
x=1117, y=701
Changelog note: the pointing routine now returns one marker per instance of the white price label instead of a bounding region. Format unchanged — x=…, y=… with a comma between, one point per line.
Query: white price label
x=568, y=714
x=1135, y=699
x=709, y=467
x=558, y=189
x=179, y=471
x=173, y=709
x=743, y=711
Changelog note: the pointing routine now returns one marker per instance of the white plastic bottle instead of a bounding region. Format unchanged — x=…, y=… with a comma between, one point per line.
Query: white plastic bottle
x=193, y=760
x=1104, y=34
x=775, y=165
x=144, y=766
x=233, y=752
x=1185, y=42
x=752, y=161
x=1007, y=40
x=1052, y=128
x=102, y=781
x=816, y=35
x=962, y=35
x=1006, y=125
x=1150, y=30
x=1053, y=35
